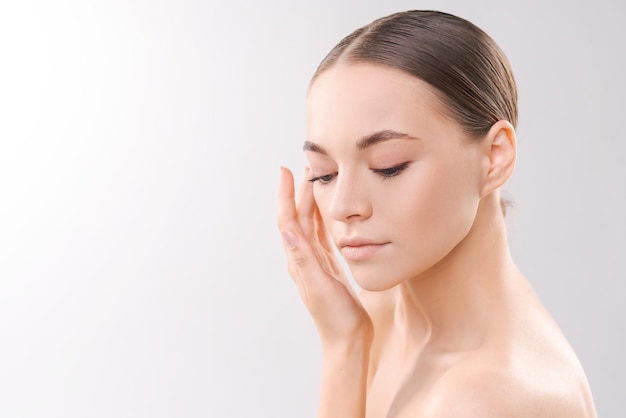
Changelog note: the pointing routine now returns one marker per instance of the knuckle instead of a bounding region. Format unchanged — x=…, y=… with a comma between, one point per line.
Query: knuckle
x=301, y=260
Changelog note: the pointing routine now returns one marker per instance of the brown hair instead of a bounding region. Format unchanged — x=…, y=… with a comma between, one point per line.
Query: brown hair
x=467, y=68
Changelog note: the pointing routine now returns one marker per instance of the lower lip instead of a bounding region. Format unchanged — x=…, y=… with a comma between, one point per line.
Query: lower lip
x=361, y=252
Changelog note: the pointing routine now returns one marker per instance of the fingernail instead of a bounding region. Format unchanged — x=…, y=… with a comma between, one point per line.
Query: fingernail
x=290, y=238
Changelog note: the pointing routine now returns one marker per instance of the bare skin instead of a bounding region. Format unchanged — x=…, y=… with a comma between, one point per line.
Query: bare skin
x=445, y=324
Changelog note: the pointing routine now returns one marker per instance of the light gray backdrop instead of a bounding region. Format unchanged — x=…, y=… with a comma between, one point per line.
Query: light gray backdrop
x=141, y=273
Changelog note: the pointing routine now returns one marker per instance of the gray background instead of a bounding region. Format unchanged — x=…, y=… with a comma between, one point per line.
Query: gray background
x=141, y=273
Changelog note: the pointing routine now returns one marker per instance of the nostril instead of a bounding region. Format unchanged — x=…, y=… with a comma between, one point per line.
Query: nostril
x=350, y=208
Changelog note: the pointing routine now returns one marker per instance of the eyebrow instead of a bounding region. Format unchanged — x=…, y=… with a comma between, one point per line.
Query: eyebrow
x=363, y=143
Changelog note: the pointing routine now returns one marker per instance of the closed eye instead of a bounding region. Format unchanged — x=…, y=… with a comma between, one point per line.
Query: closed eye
x=325, y=179
x=391, y=171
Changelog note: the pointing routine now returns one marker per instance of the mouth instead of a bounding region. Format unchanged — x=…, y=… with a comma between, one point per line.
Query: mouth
x=359, y=249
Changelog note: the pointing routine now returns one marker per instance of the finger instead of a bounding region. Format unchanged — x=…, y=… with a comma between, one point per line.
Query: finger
x=306, y=205
x=322, y=238
x=330, y=257
x=320, y=231
x=305, y=268
x=303, y=262
x=305, y=177
x=287, y=212
x=301, y=258
x=285, y=185
x=310, y=216
x=286, y=203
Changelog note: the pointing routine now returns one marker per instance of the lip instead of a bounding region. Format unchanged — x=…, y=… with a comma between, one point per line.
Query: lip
x=359, y=249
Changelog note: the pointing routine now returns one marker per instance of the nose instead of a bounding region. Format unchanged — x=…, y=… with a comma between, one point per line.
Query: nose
x=350, y=201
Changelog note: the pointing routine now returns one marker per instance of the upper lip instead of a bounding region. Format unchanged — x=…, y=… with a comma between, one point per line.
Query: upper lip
x=356, y=242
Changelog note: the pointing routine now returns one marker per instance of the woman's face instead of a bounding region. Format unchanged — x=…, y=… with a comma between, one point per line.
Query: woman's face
x=397, y=183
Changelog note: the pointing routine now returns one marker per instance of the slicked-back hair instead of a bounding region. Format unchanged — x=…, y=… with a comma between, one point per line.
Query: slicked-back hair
x=468, y=70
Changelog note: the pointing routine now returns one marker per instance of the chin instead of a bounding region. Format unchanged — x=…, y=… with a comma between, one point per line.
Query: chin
x=380, y=276
x=373, y=279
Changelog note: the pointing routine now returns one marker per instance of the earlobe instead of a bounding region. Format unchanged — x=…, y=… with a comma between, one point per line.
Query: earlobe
x=501, y=152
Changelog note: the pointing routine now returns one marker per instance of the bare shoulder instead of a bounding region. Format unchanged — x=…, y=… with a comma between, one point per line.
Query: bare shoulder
x=524, y=367
x=468, y=392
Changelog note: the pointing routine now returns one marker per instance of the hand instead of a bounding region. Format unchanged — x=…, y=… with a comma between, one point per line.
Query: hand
x=336, y=310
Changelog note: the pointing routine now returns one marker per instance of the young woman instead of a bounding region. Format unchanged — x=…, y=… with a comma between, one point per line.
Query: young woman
x=410, y=135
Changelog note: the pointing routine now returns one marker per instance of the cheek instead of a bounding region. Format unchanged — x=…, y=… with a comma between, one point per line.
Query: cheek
x=437, y=213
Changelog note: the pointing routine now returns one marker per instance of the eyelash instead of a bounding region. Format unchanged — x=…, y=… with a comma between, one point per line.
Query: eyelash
x=385, y=173
x=390, y=172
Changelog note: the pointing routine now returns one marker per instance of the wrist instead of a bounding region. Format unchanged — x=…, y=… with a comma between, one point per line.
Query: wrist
x=358, y=338
x=344, y=378
x=357, y=346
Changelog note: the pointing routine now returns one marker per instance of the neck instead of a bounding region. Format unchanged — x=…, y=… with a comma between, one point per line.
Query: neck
x=450, y=307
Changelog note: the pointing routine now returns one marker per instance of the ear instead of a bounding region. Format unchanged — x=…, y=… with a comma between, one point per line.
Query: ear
x=500, y=151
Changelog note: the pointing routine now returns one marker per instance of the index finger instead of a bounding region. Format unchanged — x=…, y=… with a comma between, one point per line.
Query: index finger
x=286, y=201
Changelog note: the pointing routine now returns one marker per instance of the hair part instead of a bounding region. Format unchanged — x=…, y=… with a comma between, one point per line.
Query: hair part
x=468, y=70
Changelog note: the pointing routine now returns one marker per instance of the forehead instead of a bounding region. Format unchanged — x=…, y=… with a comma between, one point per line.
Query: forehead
x=354, y=100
